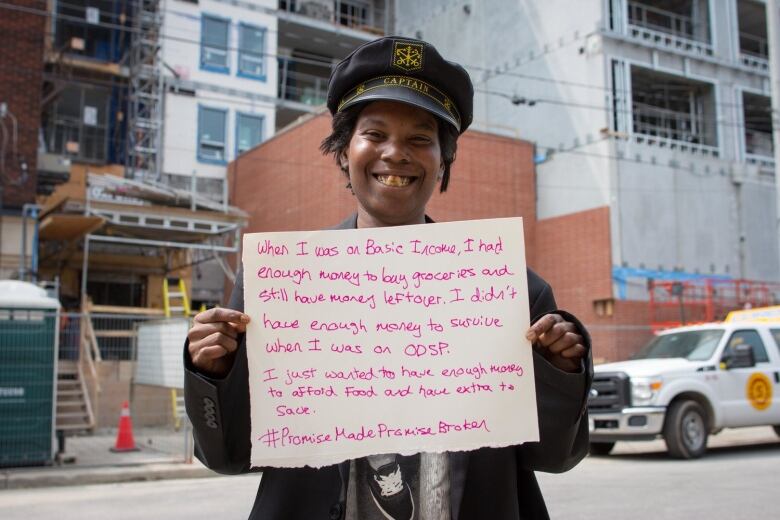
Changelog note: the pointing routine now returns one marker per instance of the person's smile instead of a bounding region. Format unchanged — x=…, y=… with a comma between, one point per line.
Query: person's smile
x=394, y=162
x=394, y=180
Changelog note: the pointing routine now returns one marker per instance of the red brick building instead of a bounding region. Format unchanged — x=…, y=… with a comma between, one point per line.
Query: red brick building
x=21, y=77
x=286, y=184
x=22, y=32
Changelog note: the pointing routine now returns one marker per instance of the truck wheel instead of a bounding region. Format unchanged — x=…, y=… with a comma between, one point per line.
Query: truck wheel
x=685, y=430
x=601, y=448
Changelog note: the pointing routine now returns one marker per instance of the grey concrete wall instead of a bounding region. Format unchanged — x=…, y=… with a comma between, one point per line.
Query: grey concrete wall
x=523, y=48
x=760, y=241
x=711, y=219
x=717, y=218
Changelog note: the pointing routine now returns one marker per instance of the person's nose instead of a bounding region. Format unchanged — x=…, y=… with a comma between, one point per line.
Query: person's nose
x=395, y=151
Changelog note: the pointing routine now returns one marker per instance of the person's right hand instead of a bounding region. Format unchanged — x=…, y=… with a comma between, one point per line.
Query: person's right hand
x=213, y=339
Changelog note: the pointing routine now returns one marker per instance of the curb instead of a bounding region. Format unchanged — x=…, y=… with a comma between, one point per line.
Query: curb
x=48, y=477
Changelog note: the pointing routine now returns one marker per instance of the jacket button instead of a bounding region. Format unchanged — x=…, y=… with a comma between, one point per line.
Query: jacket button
x=335, y=512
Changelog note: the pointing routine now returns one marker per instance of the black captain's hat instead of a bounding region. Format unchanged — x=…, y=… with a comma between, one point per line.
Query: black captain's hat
x=406, y=70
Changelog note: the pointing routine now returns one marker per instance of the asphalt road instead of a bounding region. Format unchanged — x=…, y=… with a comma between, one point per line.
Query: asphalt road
x=738, y=478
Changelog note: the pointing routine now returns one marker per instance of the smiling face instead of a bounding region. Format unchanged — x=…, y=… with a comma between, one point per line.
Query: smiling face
x=394, y=161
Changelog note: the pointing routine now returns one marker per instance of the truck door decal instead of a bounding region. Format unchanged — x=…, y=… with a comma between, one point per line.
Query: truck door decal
x=759, y=391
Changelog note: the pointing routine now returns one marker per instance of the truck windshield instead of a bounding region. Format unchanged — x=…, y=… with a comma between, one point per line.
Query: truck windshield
x=694, y=345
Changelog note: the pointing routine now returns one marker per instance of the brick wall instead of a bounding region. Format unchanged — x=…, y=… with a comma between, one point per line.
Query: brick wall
x=21, y=69
x=575, y=257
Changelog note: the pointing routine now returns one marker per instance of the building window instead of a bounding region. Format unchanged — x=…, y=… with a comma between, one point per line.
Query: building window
x=353, y=13
x=757, y=114
x=251, y=46
x=77, y=124
x=753, y=39
x=249, y=132
x=683, y=25
x=672, y=108
x=211, y=135
x=214, y=43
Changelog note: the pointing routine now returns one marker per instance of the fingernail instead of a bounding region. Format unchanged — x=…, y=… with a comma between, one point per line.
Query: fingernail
x=530, y=335
x=244, y=318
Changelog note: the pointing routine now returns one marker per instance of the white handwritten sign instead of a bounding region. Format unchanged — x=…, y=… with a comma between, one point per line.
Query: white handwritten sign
x=387, y=340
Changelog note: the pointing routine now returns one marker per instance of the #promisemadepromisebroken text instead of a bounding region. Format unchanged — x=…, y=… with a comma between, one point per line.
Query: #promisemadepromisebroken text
x=387, y=340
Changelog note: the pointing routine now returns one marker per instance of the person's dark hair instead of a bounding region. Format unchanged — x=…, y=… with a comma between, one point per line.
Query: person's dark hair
x=344, y=122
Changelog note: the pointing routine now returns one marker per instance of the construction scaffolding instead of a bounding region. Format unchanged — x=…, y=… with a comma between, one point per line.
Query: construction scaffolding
x=145, y=108
x=676, y=302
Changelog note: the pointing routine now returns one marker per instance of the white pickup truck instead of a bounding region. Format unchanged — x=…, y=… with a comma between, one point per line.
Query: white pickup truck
x=688, y=383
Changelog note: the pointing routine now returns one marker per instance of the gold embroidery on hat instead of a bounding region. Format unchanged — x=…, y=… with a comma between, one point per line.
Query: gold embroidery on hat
x=407, y=56
x=408, y=82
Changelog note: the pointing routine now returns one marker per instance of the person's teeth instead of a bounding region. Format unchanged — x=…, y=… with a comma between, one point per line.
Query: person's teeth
x=394, y=180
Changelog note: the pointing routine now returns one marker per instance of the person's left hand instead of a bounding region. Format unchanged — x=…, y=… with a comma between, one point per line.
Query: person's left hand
x=558, y=341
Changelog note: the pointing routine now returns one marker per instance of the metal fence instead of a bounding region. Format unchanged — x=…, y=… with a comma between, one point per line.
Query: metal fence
x=94, y=375
x=617, y=342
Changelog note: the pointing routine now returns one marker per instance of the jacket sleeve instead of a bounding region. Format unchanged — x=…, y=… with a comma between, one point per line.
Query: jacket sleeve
x=561, y=397
x=219, y=408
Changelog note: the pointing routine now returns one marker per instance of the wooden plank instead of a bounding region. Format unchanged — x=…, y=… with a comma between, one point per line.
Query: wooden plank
x=118, y=309
x=80, y=426
x=68, y=227
x=115, y=333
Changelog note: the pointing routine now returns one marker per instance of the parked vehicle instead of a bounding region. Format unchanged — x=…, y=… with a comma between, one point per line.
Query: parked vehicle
x=688, y=383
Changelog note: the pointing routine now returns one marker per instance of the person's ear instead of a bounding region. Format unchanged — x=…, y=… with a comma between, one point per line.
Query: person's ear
x=440, y=175
x=344, y=162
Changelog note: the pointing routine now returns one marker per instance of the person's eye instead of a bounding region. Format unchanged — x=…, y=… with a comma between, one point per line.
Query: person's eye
x=372, y=134
x=421, y=139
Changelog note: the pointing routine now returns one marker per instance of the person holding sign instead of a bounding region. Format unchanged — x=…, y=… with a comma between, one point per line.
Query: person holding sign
x=398, y=108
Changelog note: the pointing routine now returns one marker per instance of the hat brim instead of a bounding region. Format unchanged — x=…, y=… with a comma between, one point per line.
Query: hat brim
x=435, y=104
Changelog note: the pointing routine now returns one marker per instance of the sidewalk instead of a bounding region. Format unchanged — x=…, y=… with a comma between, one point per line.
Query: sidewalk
x=160, y=456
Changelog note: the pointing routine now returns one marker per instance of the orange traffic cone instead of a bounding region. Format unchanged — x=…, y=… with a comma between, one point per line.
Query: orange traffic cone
x=124, y=437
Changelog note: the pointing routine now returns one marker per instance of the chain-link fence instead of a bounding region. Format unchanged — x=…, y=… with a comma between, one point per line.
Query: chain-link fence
x=81, y=395
x=618, y=342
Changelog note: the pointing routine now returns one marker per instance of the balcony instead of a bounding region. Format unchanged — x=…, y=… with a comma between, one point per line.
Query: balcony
x=368, y=16
x=753, y=43
x=672, y=112
x=303, y=80
x=678, y=25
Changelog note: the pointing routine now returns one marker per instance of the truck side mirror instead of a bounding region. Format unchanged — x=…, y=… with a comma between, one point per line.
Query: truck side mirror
x=740, y=356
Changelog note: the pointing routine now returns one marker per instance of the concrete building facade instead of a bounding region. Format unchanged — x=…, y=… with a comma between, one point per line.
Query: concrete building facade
x=237, y=71
x=220, y=78
x=654, y=114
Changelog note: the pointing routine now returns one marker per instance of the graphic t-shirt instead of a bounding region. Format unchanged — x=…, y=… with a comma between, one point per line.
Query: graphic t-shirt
x=396, y=487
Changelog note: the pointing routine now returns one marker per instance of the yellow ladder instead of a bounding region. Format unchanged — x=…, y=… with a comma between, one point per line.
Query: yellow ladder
x=176, y=302
x=179, y=296
x=177, y=405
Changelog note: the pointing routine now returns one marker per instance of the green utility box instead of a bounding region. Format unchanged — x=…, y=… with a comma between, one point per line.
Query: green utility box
x=29, y=322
